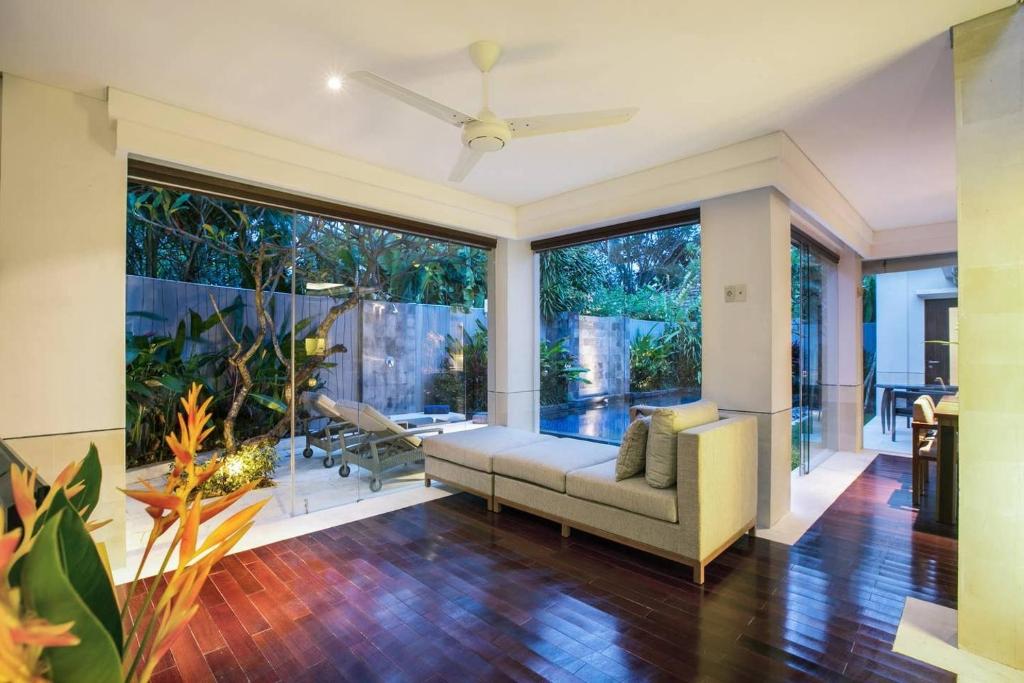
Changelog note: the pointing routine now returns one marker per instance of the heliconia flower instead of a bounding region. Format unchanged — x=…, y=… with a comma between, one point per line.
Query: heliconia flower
x=156, y=499
x=8, y=544
x=41, y=633
x=23, y=485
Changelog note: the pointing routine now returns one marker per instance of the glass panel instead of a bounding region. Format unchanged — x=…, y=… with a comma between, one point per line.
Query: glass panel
x=910, y=349
x=322, y=344
x=815, y=392
x=209, y=302
x=327, y=364
x=620, y=325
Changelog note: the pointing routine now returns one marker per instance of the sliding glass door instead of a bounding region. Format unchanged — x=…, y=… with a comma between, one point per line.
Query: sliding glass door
x=812, y=276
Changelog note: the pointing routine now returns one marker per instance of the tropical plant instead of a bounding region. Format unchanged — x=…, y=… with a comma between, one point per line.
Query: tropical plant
x=161, y=619
x=59, y=615
x=463, y=382
x=208, y=240
x=651, y=358
x=569, y=277
x=158, y=369
x=558, y=367
x=252, y=462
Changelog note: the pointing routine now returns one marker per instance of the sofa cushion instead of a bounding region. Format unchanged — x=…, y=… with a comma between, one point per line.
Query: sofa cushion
x=597, y=483
x=661, y=438
x=546, y=463
x=633, y=451
x=476, y=447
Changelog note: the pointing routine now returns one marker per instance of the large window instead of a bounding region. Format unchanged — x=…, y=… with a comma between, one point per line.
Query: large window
x=620, y=325
x=268, y=308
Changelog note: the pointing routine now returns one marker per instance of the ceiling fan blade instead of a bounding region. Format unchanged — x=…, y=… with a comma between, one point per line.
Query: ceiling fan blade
x=563, y=123
x=465, y=163
x=424, y=104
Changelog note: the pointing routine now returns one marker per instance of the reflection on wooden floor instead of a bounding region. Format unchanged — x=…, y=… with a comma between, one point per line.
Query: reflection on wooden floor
x=448, y=591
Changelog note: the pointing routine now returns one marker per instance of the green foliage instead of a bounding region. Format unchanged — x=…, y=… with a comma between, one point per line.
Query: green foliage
x=648, y=275
x=558, y=367
x=463, y=383
x=569, y=277
x=401, y=267
x=650, y=361
x=253, y=461
x=869, y=289
x=160, y=368
x=65, y=580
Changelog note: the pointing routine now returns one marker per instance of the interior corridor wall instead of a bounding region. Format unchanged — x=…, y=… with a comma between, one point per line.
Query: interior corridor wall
x=62, y=251
x=988, y=61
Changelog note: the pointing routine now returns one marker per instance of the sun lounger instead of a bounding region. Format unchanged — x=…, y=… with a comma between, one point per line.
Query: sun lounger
x=360, y=435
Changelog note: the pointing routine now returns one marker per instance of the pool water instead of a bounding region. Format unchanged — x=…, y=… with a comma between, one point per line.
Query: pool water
x=604, y=422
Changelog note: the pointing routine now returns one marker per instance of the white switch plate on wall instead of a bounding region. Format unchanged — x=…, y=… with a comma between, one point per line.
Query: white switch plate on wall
x=735, y=293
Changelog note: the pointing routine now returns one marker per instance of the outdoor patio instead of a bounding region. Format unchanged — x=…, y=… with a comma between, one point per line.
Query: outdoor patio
x=875, y=440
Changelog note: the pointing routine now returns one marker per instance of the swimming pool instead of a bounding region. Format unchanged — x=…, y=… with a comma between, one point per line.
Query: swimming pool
x=605, y=422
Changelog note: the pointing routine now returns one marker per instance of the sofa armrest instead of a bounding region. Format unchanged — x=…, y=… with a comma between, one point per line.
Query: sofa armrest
x=717, y=481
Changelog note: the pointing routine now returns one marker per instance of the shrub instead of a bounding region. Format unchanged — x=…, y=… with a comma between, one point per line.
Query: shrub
x=558, y=367
x=252, y=462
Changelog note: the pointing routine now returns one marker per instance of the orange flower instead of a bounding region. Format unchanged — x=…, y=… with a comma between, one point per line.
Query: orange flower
x=23, y=637
x=175, y=504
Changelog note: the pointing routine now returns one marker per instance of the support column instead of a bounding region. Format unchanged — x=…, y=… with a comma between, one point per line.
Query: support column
x=847, y=403
x=513, y=370
x=746, y=348
x=988, y=59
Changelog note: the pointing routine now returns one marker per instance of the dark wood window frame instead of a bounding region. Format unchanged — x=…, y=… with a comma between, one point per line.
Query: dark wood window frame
x=799, y=236
x=166, y=176
x=662, y=222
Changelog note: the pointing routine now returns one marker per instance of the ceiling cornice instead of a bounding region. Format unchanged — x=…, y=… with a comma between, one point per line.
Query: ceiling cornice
x=156, y=131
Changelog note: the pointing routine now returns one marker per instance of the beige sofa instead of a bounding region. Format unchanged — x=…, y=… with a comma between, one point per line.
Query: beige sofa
x=572, y=482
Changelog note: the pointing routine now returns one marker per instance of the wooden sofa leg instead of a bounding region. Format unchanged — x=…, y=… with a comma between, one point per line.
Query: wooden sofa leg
x=753, y=530
x=566, y=530
x=426, y=482
x=698, y=574
x=496, y=506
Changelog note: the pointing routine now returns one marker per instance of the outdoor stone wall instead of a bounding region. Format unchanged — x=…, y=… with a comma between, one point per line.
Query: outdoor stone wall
x=601, y=344
x=402, y=346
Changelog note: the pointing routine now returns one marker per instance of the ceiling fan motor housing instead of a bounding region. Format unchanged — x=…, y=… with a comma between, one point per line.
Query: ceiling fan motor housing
x=486, y=135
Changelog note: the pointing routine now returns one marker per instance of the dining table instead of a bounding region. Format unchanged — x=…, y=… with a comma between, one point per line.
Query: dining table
x=947, y=415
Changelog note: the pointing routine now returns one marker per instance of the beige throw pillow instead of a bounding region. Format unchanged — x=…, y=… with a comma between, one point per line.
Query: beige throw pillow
x=633, y=451
x=662, y=439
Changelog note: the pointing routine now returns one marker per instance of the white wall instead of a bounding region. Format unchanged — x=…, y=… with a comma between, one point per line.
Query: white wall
x=62, y=253
x=899, y=302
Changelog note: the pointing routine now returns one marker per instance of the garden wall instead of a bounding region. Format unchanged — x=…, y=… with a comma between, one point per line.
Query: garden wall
x=402, y=345
x=601, y=344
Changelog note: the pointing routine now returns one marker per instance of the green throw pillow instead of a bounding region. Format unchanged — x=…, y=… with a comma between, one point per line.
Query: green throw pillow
x=662, y=438
x=633, y=451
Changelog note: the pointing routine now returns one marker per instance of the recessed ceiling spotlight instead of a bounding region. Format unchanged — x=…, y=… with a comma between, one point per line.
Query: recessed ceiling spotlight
x=335, y=83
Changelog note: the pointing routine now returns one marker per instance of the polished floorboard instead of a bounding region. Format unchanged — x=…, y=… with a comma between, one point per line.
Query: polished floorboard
x=446, y=591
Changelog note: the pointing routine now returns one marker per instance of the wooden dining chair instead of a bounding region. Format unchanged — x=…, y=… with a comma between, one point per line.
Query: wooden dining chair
x=924, y=445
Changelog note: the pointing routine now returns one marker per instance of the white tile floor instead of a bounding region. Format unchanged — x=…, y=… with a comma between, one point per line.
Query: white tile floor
x=320, y=499
x=875, y=440
x=812, y=494
x=927, y=632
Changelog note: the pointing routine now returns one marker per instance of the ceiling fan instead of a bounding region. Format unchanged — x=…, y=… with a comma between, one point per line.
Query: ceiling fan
x=485, y=132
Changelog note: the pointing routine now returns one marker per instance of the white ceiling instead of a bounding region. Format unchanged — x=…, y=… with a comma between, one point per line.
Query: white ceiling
x=865, y=88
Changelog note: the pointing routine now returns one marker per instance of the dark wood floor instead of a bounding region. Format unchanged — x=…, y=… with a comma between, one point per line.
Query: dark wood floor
x=446, y=591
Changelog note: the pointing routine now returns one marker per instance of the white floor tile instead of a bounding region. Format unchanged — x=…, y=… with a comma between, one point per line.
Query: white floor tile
x=812, y=494
x=927, y=632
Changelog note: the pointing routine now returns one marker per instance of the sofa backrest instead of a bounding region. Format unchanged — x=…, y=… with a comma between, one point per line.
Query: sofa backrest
x=691, y=414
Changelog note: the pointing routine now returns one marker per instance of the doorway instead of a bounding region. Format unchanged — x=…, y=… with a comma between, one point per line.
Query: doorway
x=939, y=331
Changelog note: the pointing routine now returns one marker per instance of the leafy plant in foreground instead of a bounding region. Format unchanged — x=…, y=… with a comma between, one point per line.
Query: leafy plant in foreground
x=59, y=615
